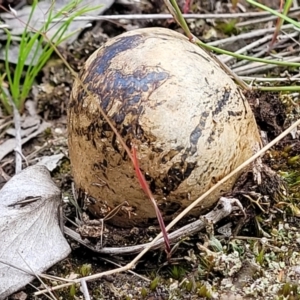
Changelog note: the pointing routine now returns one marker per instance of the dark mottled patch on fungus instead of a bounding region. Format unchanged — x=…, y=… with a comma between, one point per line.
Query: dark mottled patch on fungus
x=104, y=57
x=102, y=62
x=235, y=113
x=114, y=87
x=222, y=102
x=197, y=133
x=128, y=92
x=175, y=176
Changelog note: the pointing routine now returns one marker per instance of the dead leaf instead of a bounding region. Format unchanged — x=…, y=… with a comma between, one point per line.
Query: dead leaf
x=24, y=132
x=51, y=162
x=9, y=145
x=31, y=240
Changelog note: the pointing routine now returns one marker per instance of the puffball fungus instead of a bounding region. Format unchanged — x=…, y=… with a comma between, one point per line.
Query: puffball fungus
x=190, y=122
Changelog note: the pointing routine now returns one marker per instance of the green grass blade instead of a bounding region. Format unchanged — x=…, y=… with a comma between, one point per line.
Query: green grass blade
x=7, y=65
x=274, y=12
x=48, y=49
x=293, y=88
x=3, y=95
x=37, y=42
x=25, y=48
x=250, y=58
x=32, y=44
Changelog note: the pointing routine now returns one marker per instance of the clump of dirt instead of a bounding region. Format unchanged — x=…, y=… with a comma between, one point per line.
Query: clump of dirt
x=269, y=111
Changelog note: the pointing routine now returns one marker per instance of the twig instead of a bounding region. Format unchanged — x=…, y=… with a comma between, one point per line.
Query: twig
x=264, y=20
x=277, y=79
x=30, y=272
x=169, y=16
x=282, y=56
x=245, y=61
x=257, y=67
x=248, y=35
x=84, y=290
x=291, y=36
x=225, y=59
x=216, y=215
x=186, y=210
x=256, y=21
x=129, y=271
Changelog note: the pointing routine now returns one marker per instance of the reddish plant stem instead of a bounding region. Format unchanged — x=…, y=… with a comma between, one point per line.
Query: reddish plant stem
x=148, y=192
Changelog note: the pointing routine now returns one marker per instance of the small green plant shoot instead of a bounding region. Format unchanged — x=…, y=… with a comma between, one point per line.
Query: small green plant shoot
x=34, y=51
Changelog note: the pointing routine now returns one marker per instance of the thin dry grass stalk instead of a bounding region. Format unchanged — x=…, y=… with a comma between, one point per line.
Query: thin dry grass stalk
x=214, y=216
